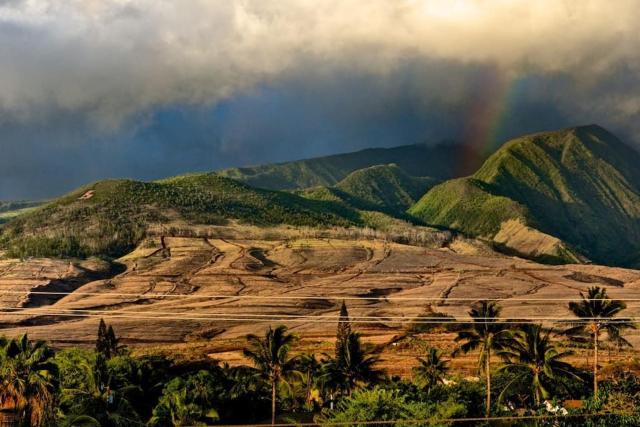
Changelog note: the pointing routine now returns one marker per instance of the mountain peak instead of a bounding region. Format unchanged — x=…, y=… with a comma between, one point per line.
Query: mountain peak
x=579, y=184
x=592, y=128
x=580, y=131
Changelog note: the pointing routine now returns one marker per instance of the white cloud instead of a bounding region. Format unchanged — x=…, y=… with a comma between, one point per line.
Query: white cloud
x=115, y=58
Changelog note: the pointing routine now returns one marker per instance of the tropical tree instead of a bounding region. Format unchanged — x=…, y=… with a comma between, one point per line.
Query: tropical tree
x=176, y=409
x=344, y=328
x=533, y=359
x=486, y=334
x=616, y=339
x=391, y=407
x=28, y=379
x=309, y=366
x=596, y=311
x=107, y=343
x=270, y=355
x=187, y=401
x=241, y=389
x=139, y=380
x=431, y=369
x=353, y=367
x=95, y=399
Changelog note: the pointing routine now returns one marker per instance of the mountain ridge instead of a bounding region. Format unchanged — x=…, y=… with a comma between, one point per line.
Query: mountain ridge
x=437, y=161
x=578, y=184
x=382, y=188
x=110, y=217
x=565, y=196
x=81, y=222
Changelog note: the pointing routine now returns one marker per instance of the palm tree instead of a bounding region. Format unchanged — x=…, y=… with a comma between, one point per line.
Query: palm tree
x=29, y=379
x=431, y=369
x=534, y=360
x=179, y=408
x=270, y=355
x=487, y=334
x=615, y=338
x=596, y=310
x=353, y=367
x=309, y=366
x=96, y=401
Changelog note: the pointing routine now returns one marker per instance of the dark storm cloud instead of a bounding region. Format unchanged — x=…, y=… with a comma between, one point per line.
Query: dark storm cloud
x=290, y=119
x=144, y=89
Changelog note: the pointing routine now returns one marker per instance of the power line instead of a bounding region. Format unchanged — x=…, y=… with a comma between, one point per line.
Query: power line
x=304, y=297
x=308, y=319
x=438, y=319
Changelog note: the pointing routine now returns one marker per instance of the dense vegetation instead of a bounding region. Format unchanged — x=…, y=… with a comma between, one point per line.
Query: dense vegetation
x=109, y=387
x=468, y=205
x=581, y=185
x=382, y=188
x=438, y=162
x=111, y=217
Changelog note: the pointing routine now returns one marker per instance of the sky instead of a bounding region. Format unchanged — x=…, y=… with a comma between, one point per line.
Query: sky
x=144, y=89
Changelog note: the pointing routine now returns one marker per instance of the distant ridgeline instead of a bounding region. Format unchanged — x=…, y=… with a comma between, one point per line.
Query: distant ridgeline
x=565, y=196
x=438, y=162
x=372, y=188
x=12, y=209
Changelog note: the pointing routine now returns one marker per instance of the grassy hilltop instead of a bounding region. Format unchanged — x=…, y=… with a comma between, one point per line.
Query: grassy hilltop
x=111, y=217
x=382, y=188
x=12, y=209
x=580, y=185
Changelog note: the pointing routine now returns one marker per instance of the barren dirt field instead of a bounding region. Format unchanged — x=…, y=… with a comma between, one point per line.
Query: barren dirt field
x=202, y=295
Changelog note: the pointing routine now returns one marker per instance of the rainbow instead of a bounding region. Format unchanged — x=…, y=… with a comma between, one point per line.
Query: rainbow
x=487, y=112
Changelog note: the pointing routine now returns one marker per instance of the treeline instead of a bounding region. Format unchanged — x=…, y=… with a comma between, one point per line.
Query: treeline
x=109, y=387
x=416, y=236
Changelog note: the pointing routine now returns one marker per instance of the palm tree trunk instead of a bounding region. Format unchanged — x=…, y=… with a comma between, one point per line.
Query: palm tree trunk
x=595, y=365
x=308, y=397
x=488, y=374
x=273, y=402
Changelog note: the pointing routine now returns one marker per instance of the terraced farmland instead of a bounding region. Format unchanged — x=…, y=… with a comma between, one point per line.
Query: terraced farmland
x=205, y=294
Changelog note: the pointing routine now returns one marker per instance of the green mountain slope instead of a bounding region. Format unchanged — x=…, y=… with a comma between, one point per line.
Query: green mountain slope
x=110, y=217
x=469, y=205
x=579, y=185
x=382, y=188
x=385, y=186
x=12, y=209
x=8, y=206
x=439, y=162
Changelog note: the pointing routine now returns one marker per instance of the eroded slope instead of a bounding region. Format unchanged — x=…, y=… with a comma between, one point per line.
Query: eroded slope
x=189, y=289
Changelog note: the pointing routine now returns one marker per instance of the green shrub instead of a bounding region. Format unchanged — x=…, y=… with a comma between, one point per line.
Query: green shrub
x=379, y=404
